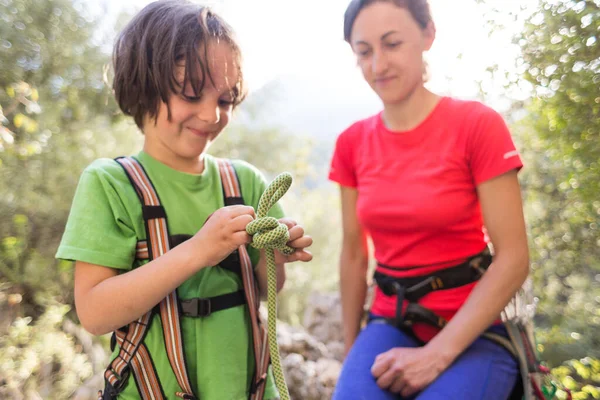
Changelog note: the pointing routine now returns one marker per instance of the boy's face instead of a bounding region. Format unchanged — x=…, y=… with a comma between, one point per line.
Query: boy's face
x=195, y=121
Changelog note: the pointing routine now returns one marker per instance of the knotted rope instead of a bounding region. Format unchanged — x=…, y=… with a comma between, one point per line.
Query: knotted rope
x=269, y=234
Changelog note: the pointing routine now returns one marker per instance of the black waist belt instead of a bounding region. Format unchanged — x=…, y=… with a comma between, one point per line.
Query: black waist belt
x=413, y=288
x=203, y=307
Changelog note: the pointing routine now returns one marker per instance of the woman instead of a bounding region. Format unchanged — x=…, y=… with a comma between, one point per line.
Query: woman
x=421, y=179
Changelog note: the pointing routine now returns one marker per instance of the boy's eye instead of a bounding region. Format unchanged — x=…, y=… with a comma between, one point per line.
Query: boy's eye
x=192, y=98
x=226, y=102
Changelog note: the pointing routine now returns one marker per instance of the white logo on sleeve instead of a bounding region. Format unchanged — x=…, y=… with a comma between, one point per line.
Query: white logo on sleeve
x=510, y=154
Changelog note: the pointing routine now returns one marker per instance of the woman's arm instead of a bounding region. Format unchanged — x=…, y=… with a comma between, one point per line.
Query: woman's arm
x=353, y=267
x=502, y=210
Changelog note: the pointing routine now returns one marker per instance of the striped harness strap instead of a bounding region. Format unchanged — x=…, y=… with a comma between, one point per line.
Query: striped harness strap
x=233, y=195
x=231, y=262
x=133, y=354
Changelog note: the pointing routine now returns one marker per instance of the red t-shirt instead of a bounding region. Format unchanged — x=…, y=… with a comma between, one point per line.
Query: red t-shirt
x=417, y=196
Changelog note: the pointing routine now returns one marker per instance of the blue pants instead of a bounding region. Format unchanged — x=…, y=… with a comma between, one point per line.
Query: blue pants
x=484, y=371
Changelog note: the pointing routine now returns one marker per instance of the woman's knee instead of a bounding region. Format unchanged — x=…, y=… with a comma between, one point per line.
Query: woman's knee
x=484, y=371
x=356, y=380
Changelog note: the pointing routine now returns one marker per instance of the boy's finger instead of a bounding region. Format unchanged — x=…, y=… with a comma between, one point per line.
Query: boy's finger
x=304, y=241
x=242, y=237
x=290, y=223
x=300, y=255
x=238, y=210
x=240, y=222
x=296, y=232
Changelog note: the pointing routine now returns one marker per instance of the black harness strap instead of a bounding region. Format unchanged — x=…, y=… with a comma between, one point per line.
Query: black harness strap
x=414, y=288
x=230, y=263
x=232, y=201
x=203, y=307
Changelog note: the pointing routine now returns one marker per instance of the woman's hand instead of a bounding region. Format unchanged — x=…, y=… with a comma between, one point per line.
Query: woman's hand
x=406, y=371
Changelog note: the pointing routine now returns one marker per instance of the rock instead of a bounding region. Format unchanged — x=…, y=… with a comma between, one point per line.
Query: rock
x=323, y=317
x=312, y=355
x=310, y=380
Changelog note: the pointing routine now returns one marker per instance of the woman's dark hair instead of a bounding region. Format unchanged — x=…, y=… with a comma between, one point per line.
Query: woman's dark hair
x=161, y=36
x=419, y=9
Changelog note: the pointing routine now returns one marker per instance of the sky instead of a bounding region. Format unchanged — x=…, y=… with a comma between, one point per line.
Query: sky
x=299, y=45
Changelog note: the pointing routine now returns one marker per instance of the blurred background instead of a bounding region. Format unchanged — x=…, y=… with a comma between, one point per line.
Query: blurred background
x=536, y=61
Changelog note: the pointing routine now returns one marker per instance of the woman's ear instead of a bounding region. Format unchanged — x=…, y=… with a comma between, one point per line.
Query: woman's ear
x=428, y=36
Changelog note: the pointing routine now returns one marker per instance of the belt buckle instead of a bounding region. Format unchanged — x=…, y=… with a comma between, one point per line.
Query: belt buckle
x=204, y=307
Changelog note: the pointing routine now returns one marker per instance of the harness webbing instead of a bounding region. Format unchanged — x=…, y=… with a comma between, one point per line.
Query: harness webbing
x=133, y=355
x=414, y=288
x=231, y=189
x=231, y=262
x=158, y=236
x=144, y=371
x=518, y=343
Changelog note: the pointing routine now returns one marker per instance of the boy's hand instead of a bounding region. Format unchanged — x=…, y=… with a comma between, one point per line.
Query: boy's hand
x=298, y=240
x=223, y=232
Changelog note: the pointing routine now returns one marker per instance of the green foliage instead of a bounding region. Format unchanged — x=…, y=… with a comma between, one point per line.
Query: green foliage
x=561, y=52
x=561, y=138
x=38, y=359
x=56, y=116
x=581, y=377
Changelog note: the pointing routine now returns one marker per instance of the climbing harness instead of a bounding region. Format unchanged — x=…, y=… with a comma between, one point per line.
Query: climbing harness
x=536, y=381
x=134, y=357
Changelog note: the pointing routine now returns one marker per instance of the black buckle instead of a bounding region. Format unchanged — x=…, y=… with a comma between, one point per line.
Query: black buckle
x=424, y=287
x=477, y=261
x=389, y=286
x=196, y=307
x=113, y=391
x=255, y=385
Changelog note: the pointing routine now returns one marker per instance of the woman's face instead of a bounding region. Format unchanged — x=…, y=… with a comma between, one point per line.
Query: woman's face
x=389, y=46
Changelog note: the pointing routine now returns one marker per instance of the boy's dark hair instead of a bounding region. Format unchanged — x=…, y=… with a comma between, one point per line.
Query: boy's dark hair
x=160, y=36
x=419, y=9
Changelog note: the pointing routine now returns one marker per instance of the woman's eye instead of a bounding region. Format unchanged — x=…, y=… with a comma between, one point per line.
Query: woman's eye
x=393, y=45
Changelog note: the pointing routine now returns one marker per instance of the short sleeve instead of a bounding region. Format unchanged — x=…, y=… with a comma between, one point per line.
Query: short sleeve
x=98, y=230
x=342, y=163
x=492, y=151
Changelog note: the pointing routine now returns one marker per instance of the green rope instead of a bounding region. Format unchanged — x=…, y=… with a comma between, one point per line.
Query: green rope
x=269, y=234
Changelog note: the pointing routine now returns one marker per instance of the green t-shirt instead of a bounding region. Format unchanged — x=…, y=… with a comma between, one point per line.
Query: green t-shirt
x=104, y=225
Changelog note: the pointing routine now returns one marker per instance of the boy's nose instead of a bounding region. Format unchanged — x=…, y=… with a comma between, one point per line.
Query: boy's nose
x=209, y=115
